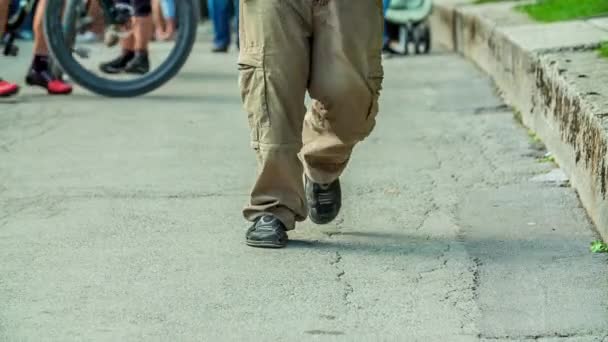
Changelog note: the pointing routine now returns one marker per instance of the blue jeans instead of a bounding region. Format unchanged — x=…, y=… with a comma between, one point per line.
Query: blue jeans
x=221, y=13
x=386, y=4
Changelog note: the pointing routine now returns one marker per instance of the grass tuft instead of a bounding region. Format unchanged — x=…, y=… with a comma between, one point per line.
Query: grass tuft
x=559, y=10
x=604, y=50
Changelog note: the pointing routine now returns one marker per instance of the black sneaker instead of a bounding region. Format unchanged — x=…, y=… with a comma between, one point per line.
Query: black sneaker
x=117, y=65
x=140, y=64
x=324, y=201
x=48, y=81
x=220, y=49
x=267, y=232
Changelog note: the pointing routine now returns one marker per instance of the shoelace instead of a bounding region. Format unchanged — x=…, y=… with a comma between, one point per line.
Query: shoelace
x=325, y=197
x=266, y=228
x=263, y=225
x=46, y=76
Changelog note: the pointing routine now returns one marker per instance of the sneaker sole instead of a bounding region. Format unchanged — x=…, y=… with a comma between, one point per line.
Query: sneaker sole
x=111, y=71
x=261, y=244
x=33, y=83
x=9, y=94
x=322, y=221
x=133, y=72
x=65, y=93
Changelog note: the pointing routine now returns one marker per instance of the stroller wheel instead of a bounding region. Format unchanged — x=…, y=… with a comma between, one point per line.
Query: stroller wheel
x=422, y=38
x=405, y=35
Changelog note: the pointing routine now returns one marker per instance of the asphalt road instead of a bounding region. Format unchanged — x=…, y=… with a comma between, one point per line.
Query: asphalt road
x=120, y=221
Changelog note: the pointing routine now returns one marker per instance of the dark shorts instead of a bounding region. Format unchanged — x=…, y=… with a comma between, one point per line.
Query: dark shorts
x=143, y=8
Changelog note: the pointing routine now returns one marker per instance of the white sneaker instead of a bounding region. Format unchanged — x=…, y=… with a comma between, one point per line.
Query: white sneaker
x=87, y=37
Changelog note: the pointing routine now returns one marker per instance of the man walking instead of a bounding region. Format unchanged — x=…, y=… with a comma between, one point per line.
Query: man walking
x=332, y=49
x=221, y=13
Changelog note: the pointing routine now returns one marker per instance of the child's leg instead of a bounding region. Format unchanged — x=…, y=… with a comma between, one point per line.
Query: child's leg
x=39, y=73
x=134, y=57
x=157, y=18
x=128, y=43
x=95, y=12
x=168, y=9
x=142, y=25
x=40, y=47
x=3, y=15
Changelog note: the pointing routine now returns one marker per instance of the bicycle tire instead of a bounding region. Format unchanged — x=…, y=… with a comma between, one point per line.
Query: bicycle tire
x=184, y=42
x=69, y=31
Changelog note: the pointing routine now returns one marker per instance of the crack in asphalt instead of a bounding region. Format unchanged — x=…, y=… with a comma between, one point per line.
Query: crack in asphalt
x=427, y=213
x=17, y=206
x=135, y=195
x=476, y=278
x=442, y=266
x=539, y=336
x=336, y=262
x=340, y=278
x=498, y=109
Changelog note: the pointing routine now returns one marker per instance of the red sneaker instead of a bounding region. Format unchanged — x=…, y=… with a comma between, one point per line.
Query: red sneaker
x=46, y=80
x=8, y=89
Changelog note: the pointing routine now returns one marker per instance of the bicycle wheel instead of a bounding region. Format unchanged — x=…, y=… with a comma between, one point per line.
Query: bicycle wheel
x=73, y=9
x=81, y=62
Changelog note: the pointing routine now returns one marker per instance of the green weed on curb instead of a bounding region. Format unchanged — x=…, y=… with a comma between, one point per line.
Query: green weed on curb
x=518, y=117
x=547, y=159
x=603, y=50
x=534, y=137
x=599, y=247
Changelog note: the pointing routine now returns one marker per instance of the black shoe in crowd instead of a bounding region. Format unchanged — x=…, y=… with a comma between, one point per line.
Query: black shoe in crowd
x=129, y=62
x=117, y=65
x=140, y=64
x=220, y=49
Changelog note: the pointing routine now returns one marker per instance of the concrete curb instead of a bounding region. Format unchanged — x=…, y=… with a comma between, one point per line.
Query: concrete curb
x=531, y=69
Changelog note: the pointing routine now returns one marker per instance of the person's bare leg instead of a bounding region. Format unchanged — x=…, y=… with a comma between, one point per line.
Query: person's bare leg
x=98, y=24
x=169, y=29
x=39, y=73
x=157, y=17
x=127, y=54
x=134, y=57
x=168, y=13
x=6, y=88
x=40, y=47
x=3, y=15
x=142, y=31
x=128, y=43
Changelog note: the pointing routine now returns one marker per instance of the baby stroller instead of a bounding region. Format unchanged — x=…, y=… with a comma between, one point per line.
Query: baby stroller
x=407, y=24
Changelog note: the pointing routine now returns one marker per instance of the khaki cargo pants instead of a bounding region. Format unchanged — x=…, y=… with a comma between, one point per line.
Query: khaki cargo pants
x=330, y=48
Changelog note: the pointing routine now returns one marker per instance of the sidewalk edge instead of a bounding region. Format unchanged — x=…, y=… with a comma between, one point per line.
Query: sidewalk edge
x=531, y=82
